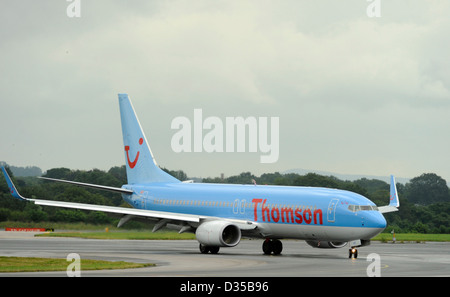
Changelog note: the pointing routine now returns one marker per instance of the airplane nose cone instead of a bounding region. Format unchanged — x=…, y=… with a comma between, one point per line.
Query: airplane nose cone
x=382, y=221
x=375, y=223
x=378, y=221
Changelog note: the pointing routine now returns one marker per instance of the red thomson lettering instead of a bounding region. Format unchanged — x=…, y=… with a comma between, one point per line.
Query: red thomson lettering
x=256, y=202
x=298, y=215
x=308, y=218
x=288, y=214
x=277, y=218
x=265, y=209
x=319, y=213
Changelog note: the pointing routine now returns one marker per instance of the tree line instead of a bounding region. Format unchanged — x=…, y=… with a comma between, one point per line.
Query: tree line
x=425, y=200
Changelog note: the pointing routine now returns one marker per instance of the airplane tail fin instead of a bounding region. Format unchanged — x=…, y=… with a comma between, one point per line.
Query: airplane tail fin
x=140, y=163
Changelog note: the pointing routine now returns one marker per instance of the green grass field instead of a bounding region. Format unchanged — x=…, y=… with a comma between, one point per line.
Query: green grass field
x=129, y=235
x=171, y=235
x=97, y=231
x=22, y=264
x=412, y=237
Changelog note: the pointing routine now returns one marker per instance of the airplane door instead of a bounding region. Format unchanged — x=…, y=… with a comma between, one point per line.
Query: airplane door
x=331, y=212
x=236, y=206
x=239, y=206
x=143, y=197
x=242, y=210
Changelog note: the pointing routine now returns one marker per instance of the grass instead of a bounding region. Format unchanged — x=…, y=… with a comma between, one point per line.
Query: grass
x=92, y=231
x=128, y=235
x=412, y=237
x=27, y=264
x=80, y=226
x=170, y=235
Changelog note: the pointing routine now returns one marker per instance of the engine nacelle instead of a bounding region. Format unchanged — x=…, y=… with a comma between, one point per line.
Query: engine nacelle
x=218, y=233
x=326, y=244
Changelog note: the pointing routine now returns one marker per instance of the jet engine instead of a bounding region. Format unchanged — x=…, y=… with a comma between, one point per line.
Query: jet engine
x=218, y=233
x=326, y=244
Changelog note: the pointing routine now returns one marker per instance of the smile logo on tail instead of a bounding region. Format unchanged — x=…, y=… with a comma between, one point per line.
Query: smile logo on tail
x=127, y=148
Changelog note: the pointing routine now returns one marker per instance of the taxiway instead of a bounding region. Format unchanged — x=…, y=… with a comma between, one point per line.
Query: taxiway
x=182, y=258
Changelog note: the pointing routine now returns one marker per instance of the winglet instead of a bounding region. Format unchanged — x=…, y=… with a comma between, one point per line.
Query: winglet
x=394, y=195
x=12, y=188
x=394, y=202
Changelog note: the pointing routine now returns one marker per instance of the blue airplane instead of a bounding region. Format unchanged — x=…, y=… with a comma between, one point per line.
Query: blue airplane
x=221, y=214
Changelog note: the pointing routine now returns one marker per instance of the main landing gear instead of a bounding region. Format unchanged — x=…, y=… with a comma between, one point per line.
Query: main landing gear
x=209, y=249
x=272, y=246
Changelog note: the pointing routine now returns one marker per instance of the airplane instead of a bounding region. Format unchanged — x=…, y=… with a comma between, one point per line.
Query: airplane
x=221, y=214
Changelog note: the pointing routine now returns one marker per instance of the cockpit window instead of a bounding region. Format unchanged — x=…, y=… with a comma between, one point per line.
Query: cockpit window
x=355, y=208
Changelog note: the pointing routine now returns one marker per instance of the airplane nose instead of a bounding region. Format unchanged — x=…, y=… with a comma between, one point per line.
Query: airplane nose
x=381, y=221
x=375, y=223
x=375, y=220
x=378, y=221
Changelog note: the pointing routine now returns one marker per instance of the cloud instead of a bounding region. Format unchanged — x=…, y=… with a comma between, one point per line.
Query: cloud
x=248, y=50
x=327, y=70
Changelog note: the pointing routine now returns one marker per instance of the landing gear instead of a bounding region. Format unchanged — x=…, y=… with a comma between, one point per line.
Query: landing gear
x=272, y=246
x=209, y=249
x=352, y=252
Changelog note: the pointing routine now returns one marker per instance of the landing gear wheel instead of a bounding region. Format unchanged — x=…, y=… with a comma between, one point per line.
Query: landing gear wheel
x=272, y=246
x=277, y=247
x=209, y=249
x=214, y=249
x=203, y=249
x=267, y=247
x=352, y=253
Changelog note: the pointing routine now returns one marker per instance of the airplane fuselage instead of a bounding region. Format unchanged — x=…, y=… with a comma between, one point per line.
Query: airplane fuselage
x=279, y=211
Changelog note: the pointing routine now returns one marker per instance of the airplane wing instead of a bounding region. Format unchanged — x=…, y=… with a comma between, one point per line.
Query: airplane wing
x=99, y=187
x=394, y=202
x=104, y=208
x=127, y=213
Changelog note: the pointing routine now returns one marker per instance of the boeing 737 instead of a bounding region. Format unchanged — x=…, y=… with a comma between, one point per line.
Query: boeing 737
x=221, y=214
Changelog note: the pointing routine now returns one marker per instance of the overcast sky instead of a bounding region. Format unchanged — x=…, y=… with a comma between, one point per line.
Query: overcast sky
x=354, y=94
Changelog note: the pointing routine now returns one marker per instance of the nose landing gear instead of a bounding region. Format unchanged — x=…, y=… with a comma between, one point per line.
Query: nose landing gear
x=352, y=252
